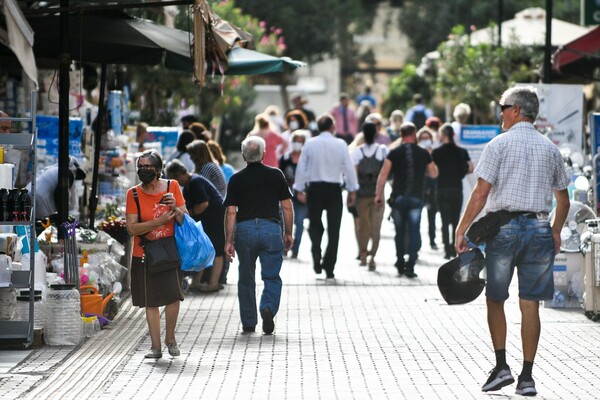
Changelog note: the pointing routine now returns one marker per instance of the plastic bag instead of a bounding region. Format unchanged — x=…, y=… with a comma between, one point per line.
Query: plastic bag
x=195, y=248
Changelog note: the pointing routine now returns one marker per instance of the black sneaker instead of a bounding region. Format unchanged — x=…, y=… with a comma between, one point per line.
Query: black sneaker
x=409, y=273
x=247, y=328
x=499, y=377
x=268, y=324
x=526, y=387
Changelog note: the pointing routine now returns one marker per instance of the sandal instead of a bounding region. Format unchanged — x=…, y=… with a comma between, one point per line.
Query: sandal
x=154, y=354
x=173, y=349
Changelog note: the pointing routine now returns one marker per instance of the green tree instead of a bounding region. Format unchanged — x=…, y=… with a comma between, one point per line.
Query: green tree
x=402, y=88
x=478, y=74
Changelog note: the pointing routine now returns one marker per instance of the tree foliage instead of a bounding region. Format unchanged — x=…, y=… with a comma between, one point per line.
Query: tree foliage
x=477, y=75
x=402, y=88
x=314, y=28
x=427, y=22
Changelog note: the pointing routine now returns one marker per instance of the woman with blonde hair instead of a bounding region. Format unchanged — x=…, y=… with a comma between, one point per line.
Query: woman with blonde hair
x=217, y=152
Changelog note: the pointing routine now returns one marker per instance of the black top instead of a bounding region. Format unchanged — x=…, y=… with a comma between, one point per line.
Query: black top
x=199, y=190
x=288, y=167
x=451, y=161
x=409, y=163
x=256, y=191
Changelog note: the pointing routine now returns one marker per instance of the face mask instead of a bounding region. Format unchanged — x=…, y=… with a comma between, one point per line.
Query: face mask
x=146, y=175
x=425, y=144
x=294, y=125
x=296, y=146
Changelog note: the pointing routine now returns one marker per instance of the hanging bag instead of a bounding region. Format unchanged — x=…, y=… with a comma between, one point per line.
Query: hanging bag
x=162, y=254
x=195, y=248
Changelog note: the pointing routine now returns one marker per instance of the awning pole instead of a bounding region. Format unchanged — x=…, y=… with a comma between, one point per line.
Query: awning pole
x=97, y=139
x=63, y=118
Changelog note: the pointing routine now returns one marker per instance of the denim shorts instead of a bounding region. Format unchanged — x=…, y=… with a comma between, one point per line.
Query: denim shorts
x=525, y=243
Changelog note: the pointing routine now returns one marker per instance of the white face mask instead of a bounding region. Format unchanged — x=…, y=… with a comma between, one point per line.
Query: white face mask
x=426, y=144
x=294, y=125
x=297, y=146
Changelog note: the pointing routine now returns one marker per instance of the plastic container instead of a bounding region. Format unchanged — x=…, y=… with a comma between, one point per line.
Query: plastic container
x=63, y=325
x=22, y=308
x=91, y=326
x=5, y=270
x=8, y=300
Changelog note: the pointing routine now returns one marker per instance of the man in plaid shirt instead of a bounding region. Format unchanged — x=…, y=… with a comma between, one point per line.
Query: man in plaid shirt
x=518, y=171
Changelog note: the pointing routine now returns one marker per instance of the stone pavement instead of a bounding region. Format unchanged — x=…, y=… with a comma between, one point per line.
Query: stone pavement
x=371, y=335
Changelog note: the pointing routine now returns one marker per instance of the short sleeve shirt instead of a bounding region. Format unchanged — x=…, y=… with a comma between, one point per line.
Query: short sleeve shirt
x=256, y=192
x=409, y=163
x=524, y=168
x=451, y=161
x=197, y=192
x=150, y=208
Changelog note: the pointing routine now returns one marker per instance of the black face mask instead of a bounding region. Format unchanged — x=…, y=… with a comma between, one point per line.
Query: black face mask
x=146, y=175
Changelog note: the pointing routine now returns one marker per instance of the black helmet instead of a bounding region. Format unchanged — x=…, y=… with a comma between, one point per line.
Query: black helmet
x=458, y=279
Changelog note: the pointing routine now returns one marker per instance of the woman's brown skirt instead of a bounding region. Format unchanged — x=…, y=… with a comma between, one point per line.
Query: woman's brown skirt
x=154, y=290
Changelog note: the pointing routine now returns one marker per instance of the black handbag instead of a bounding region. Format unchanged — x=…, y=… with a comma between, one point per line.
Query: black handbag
x=162, y=254
x=487, y=227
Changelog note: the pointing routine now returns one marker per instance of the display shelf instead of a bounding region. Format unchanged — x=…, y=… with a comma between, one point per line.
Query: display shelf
x=23, y=330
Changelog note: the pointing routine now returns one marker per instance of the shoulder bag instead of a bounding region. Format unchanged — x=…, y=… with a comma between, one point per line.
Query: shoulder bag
x=487, y=227
x=159, y=255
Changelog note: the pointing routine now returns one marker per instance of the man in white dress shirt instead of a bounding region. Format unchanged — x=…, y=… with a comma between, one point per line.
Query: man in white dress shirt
x=323, y=168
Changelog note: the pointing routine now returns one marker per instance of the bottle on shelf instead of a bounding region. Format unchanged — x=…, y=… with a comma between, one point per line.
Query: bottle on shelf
x=3, y=204
x=24, y=205
x=13, y=205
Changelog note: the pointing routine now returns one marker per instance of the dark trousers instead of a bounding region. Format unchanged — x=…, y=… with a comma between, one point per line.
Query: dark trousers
x=449, y=203
x=322, y=196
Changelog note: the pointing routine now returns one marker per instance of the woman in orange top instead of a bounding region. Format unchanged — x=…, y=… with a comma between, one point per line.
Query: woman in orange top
x=161, y=203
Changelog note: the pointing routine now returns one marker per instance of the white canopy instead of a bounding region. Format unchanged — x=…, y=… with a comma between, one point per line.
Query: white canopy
x=529, y=29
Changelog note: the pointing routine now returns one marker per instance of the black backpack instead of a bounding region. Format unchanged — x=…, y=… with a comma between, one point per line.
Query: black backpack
x=368, y=171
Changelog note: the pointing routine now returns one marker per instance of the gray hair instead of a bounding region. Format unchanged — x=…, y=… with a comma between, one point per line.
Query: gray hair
x=174, y=169
x=525, y=97
x=253, y=149
x=154, y=157
x=462, y=110
x=397, y=114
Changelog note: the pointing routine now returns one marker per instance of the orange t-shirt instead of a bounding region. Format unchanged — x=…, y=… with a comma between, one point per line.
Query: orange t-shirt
x=152, y=209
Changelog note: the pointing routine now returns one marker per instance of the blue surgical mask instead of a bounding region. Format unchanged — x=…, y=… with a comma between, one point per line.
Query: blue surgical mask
x=426, y=144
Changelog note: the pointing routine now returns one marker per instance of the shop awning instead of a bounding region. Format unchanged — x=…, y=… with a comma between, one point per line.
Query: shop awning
x=580, y=55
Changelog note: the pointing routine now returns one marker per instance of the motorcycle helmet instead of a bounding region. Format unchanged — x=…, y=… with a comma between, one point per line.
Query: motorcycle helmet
x=458, y=279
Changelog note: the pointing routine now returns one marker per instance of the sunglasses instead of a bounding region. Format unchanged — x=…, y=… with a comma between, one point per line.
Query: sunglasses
x=505, y=106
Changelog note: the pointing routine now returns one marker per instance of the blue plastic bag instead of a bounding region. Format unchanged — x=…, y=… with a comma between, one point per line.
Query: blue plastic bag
x=195, y=248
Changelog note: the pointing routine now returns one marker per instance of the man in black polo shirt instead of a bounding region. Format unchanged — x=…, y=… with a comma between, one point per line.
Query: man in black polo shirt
x=253, y=229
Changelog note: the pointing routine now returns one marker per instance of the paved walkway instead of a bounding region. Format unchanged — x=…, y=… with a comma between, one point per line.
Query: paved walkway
x=371, y=335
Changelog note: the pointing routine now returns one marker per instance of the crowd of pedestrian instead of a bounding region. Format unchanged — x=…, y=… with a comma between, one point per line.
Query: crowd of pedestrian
x=298, y=166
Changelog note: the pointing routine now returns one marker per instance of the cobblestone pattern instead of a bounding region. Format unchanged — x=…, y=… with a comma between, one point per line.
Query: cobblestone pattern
x=373, y=335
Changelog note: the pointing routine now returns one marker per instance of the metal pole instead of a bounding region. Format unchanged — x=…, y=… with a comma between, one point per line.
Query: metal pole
x=548, y=47
x=500, y=13
x=63, y=116
x=97, y=137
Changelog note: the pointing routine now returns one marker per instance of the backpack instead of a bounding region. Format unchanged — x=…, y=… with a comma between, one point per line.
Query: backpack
x=419, y=118
x=368, y=170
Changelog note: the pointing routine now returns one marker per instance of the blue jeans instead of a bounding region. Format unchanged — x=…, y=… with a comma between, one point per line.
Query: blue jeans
x=406, y=210
x=526, y=243
x=300, y=213
x=262, y=239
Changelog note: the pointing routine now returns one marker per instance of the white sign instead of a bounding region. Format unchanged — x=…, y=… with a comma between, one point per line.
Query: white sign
x=561, y=114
